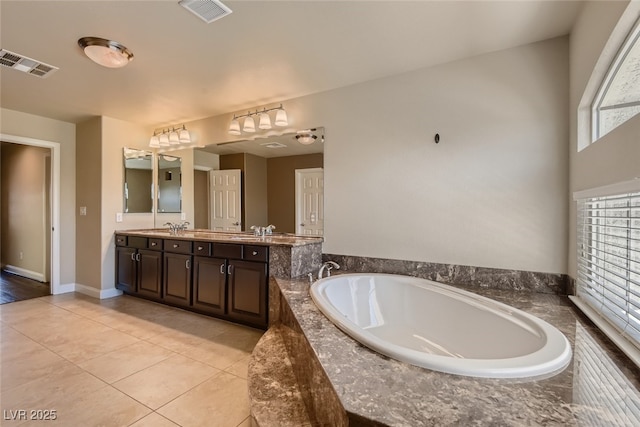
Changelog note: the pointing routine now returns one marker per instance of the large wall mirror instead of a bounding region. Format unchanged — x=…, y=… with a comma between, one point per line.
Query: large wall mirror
x=275, y=180
x=138, y=181
x=169, y=196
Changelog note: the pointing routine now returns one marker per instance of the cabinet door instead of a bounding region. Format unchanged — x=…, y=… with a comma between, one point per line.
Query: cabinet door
x=247, y=298
x=150, y=273
x=177, y=279
x=126, y=269
x=209, y=284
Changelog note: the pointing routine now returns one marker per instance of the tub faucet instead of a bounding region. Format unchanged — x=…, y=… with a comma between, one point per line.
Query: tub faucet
x=329, y=265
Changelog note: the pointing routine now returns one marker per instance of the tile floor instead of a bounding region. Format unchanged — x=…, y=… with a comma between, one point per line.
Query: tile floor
x=118, y=362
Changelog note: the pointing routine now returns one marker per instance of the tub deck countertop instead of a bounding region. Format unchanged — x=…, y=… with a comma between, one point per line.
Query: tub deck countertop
x=275, y=239
x=599, y=387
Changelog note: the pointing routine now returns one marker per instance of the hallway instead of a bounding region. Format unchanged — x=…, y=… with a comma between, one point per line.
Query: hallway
x=16, y=288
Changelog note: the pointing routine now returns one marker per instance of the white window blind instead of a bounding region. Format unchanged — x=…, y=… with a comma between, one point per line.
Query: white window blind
x=609, y=259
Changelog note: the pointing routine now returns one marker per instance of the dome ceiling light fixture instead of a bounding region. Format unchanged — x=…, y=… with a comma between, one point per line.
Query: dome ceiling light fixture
x=107, y=53
x=306, y=137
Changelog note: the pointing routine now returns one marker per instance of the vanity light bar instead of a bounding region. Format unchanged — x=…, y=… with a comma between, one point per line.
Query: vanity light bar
x=170, y=136
x=264, y=123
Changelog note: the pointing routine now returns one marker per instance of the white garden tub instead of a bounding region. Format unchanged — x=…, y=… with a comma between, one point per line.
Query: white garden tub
x=440, y=327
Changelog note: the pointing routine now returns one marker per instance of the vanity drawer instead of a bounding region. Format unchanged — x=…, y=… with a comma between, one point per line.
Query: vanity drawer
x=177, y=246
x=155, y=244
x=227, y=250
x=202, y=248
x=137, y=242
x=121, y=240
x=256, y=253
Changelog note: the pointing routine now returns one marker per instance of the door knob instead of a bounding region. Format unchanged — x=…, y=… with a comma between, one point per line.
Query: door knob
x=236, y=223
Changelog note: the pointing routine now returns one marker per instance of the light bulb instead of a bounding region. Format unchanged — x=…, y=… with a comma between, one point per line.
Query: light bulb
x=234, y=127
x=281, y=118
x=249, y=125
x=265, y=121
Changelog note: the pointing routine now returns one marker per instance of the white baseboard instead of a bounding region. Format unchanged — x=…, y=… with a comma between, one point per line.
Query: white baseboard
x=64, y=289
x=97, y=293
x=25, y=273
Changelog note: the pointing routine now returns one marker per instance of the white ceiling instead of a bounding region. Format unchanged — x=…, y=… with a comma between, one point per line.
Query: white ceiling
x=263, y=53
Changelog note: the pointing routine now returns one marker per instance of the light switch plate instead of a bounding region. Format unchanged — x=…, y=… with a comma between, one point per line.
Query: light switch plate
x=119, y=217
x=83, y=210
x=183, y=216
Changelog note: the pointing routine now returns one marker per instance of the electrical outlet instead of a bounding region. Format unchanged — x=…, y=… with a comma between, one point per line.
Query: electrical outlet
x=83, y=210
x=119, y=217
x=183, y=216
x=21, y=254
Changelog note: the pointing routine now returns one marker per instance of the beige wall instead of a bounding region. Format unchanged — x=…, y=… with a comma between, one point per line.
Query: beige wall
x=88, y=195
x=493, y=193
x=255, y=191
x=30, y=126
x=616, y=156
x=25, y=210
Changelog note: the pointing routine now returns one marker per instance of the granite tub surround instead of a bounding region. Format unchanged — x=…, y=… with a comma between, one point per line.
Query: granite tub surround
x=476, y=277
x=273, y=390
x=599, y=387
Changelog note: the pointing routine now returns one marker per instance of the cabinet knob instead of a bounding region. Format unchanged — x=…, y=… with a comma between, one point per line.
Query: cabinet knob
x=254, y=253
x=175, y=245
x=153, y=243
x=200, y=248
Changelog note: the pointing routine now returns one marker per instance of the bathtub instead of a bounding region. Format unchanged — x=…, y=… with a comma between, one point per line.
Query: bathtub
x=440, y=327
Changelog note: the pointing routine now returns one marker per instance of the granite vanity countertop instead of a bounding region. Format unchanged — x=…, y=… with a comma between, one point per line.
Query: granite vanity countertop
x=275, y=239
x=599, y=387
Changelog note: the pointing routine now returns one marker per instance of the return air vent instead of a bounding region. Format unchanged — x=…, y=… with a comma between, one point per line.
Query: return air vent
x=26, y=65
x=273, y=144
x=207, y=10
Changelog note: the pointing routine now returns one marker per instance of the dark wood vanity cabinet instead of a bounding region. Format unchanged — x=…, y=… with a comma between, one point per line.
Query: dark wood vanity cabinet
x=209, y=284
x=176, y=285
x=247, y=295
x=139, y=266
x=233, y=282
x=226, y=280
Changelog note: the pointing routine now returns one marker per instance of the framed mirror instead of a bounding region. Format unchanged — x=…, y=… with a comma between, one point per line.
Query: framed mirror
x=281, y=183
x=138, y=181
x=169, y=195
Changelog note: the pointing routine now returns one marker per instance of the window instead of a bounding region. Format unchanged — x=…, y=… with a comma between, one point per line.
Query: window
x=609, y=259
x=618, y=98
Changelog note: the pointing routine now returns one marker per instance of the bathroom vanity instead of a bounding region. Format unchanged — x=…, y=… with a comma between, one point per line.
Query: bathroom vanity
x=220, y=274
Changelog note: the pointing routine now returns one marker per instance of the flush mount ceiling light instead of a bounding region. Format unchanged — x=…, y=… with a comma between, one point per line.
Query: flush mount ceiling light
x=264, y=120
x=105, y=52
x=306, y=137
x=170, y=136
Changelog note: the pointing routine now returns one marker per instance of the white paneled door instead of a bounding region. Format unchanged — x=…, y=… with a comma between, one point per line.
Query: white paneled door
x=310, y=202
x=226, y=205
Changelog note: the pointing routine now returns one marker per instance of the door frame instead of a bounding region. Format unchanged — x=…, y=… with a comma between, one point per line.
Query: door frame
x=55, y=203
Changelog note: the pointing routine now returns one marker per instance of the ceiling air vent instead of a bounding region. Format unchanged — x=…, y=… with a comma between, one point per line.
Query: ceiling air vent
x=273, y=144
x=207, y=10
x=25, y=64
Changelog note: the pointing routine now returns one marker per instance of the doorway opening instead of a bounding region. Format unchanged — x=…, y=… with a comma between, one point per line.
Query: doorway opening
x=47, y=260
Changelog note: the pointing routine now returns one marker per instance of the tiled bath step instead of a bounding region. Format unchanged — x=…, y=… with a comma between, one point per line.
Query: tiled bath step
x=274, y=395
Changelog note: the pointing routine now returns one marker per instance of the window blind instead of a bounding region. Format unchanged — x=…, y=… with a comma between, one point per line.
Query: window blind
x=609, y=259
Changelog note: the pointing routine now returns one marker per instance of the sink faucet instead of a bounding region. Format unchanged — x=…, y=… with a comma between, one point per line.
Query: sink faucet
x=329, y=265
x=263, y=231
x=176, y=228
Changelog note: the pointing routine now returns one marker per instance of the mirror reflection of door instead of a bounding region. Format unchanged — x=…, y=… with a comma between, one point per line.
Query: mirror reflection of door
x=226, y=205
x=310, y=202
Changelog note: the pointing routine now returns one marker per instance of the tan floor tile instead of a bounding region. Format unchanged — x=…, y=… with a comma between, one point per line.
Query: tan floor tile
x=154, y=420
x=220, y=401
x=64, y=383
x=239, y=368
x=85, y=343
x=33, y=309
x=33, y=362
x=79, y=304
x=165, y=381
x=105, y=407
x=126, y=361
